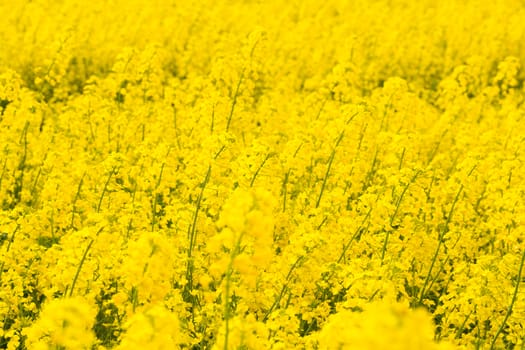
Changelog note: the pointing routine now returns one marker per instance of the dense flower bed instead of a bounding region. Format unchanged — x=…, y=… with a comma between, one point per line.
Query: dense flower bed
x=262, y=174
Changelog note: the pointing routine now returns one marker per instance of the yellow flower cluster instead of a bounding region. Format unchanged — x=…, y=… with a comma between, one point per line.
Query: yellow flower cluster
x=380, y=326
x=63, y=324
x=262, y=174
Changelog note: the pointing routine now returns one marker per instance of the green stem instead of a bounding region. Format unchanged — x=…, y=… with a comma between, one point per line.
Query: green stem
x=279, y=297
x=234, y=101
x=3, y=172
x=77, y=195
x=259, y=169
x=227, y=306
x=193, y=232
x=440, y=243
x=284, y=190
x=155, y=200
x=511, y=306
x=398, y=204
x=330, y=161
x=192, y=236
x=401, y=158
x=80, y=267
x=354, y=236
x=111, y=173
x=462, y=327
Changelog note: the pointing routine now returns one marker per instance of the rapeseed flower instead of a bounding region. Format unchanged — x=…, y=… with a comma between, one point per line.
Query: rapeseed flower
x=273, y=175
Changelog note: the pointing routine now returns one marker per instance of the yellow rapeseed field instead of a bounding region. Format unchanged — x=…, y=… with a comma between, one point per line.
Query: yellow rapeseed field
x=249, y=174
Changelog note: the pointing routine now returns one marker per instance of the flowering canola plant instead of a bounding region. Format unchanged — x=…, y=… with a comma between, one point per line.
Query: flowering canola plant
x=262, y=174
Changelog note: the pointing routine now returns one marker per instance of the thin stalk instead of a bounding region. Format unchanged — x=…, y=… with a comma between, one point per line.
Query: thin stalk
x=237, y=89
x=401, y=158
x=462, y=327
x=284, y=189
x=193, y=231
x=371, y=172
x=155, y=196
x=219, y=152
x=440, y=243
x=436, y=148
x=104, y=190
x=442, y=268
x=229, y=272
x=77, y=195
x=175, y=126
x=259, y=169
x=130, y=222
x=19, y=180
x=354, y=236
x=279, y=297
x=396, y=210
x=8, y=247
x=361, y=136
x=511, y=306
x=192, y=234
x=35, y=183
x=3, y=172
x=80, y=267
x=234, y=101
x=212, y=119
x=52, y=223
x=329, y=167
x=325, y=219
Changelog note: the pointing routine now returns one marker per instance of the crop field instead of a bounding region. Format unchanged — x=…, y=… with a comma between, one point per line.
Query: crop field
x=231, y=174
